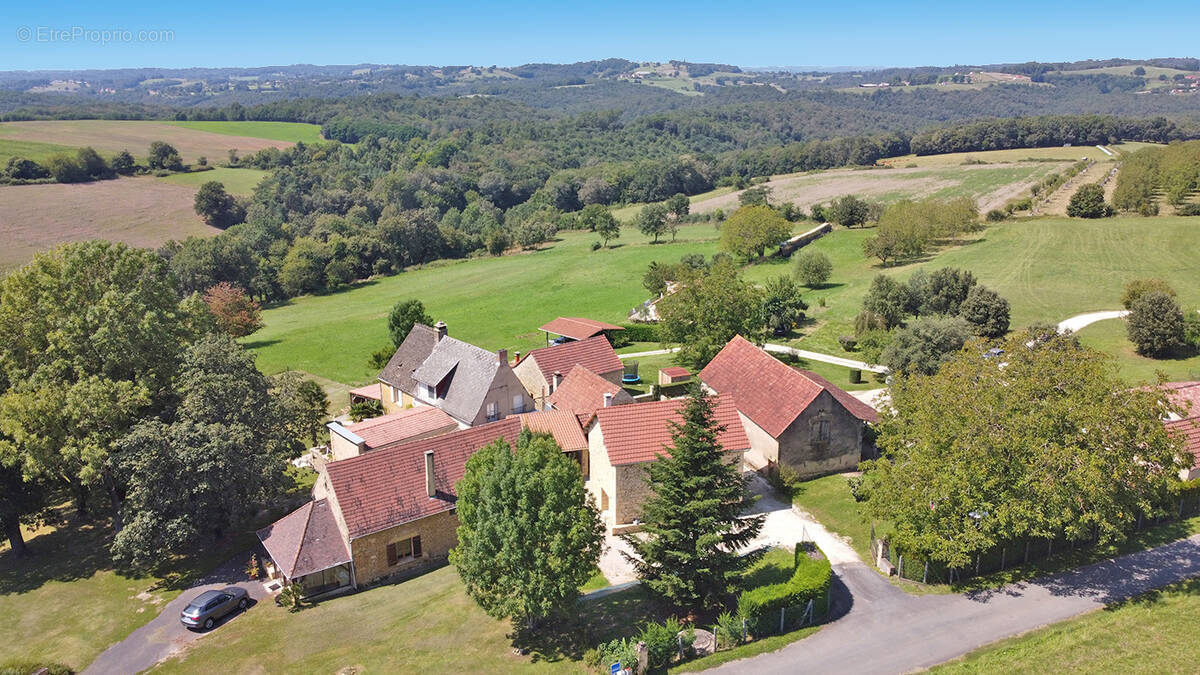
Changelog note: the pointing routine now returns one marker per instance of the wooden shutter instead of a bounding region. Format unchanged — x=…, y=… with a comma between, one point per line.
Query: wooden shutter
x=391, y=552
x=416, y=545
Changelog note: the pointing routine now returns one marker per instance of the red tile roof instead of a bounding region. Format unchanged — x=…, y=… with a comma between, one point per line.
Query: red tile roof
x=641, y=431
x=582, y=392
x=859, y=409
x=403, y=425
x=366, y=391
x=1185, y=396
x=1189, y=431
x=561, y=424
x=306, y=540
x=594, y=353
x=675, y=371
x=771, y=393
x=578, y=328
x=386, y=487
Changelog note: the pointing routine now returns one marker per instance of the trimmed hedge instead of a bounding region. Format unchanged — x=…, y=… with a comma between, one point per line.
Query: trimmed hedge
x=641, y=332
x=809, y=581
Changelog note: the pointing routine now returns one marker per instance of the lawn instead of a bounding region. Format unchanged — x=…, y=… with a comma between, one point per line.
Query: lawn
x=829, y=501
x=1110, y=337
x=1152, y=633
x=66, y=603
x=492, y=302
x=292, y=132
x=430, y=620
x=236, y=181
x=1049, y=269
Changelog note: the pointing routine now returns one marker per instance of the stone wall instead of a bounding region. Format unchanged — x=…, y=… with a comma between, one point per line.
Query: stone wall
x=803, y=451
x=437, y=534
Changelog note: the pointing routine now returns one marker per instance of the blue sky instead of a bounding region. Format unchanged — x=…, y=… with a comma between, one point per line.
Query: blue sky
x=864, y=33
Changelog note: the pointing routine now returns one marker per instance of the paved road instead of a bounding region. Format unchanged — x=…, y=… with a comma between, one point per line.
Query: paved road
x=1079, y=321
x=884, y=630
x=164, y=635
x=826, y=358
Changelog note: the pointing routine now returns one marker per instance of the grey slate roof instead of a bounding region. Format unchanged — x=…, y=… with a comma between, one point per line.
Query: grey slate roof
x=470, y=370
x=408, y=357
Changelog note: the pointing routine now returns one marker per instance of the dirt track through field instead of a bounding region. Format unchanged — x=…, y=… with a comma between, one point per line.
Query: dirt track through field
x=805, y=190
x=112, y=136
x=141, y=211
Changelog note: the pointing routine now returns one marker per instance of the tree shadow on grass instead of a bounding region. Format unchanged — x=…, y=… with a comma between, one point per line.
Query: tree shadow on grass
x=259, y=344
x=75, y=549
x=595, y=621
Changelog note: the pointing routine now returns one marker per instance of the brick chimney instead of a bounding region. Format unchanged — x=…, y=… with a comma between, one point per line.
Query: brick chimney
x=440, y=329
x=502, y=356
x=430, y=486
x=557, y=381
x=607, y=399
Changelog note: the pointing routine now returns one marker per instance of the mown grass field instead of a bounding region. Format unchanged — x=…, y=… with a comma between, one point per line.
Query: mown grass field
x=1063, y=153
x=1049, y=269
x=291, y=132
x=492, y=302
x=111, y=136
x=142, y=211
x=34, y=150
x=1152, y=633
x=236, y=181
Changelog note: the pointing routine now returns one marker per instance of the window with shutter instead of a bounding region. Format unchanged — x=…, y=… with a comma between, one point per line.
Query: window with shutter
x=391, y=554
x=416, y=546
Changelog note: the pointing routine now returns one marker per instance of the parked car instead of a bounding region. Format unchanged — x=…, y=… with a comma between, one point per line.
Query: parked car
x=205, y=609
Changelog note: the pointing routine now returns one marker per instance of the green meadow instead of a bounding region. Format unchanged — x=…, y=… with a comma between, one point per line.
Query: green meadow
x=293, y=132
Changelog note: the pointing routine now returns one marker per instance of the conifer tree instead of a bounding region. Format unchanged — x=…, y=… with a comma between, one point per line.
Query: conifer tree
x=688, y=552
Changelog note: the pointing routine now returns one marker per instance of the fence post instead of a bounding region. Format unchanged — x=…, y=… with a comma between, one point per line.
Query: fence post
x=900, y=566
x=1049, y=548
x=1027, y=542
x=1003, y=556
x=782, y=611
x=1180, y=508
x=925, y=575
x=976, y=564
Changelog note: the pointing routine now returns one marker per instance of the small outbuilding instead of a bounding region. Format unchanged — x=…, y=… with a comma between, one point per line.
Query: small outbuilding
x=673, y=375
x=568, y=328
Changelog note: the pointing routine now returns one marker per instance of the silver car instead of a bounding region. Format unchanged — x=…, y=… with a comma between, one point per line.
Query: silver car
x=205, y=609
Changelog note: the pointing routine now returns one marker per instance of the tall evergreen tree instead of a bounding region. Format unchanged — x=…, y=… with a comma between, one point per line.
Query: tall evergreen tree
x=692, y=529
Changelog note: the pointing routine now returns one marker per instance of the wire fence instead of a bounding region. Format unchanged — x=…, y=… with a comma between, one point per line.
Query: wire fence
x=914, y=567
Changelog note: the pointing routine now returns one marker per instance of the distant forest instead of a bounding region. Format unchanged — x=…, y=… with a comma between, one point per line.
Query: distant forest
x=463, y=160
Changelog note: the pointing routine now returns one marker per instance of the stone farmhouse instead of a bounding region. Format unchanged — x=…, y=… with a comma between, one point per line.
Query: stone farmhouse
x=792, y=417
x=471, y=385
x=383, y=505
x=541, y=371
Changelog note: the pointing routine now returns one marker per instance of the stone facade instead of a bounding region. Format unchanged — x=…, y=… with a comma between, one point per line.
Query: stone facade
x=369, y=553
x=539, y=387
x=825, y=438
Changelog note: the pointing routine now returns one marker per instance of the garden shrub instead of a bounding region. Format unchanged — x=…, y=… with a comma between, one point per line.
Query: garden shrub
x=848, y=342
x=662, y=643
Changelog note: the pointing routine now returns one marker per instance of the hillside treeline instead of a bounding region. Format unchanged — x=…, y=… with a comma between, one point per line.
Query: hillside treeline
x=1171, y=172
x=1046, y=131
